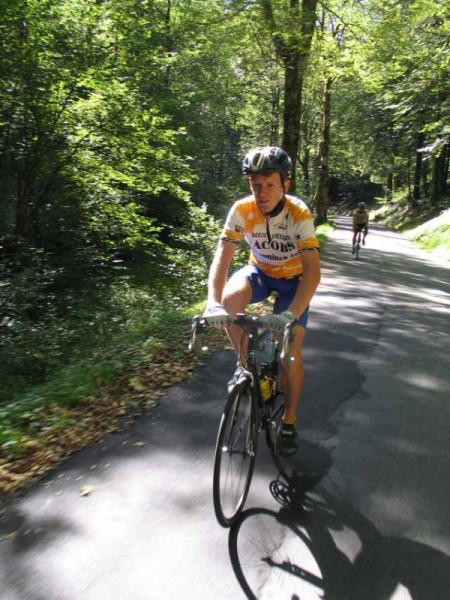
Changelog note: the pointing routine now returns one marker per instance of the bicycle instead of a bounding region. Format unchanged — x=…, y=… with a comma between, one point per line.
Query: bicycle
x=358, y=243
x=253, y=404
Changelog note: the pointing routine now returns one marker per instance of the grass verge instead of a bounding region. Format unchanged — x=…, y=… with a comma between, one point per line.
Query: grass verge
x=428, y=227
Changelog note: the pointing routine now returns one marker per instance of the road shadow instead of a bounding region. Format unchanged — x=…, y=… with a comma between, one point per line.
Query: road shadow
x=295, y=553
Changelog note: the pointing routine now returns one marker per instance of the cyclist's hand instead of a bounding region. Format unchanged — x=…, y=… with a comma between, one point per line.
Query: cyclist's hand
x=279, y=322
x=288, y=317
x=216, y=315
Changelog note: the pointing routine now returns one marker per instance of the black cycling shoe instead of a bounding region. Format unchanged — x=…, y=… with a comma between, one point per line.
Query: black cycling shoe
x=288, y=442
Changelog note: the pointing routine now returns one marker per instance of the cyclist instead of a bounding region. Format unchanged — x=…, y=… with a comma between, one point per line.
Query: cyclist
x=283, y=256
x=360, y=223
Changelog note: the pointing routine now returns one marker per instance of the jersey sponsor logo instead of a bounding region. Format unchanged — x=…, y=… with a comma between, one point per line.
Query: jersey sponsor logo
x=276, y=245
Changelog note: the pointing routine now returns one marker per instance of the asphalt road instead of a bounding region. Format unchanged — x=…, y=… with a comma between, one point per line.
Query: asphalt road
x=361, y=513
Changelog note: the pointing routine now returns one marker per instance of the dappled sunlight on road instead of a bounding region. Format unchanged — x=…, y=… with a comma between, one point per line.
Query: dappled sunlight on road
x=424, y=382
x=393, y=429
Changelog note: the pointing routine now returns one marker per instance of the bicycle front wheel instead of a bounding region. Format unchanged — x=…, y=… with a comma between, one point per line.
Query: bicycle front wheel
x=235, y=456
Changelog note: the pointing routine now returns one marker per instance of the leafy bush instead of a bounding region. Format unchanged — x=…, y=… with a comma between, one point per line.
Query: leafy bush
x=192, y=252
x=44, y=329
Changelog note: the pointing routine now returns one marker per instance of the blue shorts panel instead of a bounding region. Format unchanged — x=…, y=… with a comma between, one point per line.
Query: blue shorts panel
x=263, y=286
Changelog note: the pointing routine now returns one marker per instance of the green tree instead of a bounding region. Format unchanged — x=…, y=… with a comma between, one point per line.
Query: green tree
x=81, y=142
x=292, y=26
x=400, y=104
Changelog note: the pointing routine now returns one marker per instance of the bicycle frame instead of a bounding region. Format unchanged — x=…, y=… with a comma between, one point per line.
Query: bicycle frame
x=264, y=407
x=251, y=326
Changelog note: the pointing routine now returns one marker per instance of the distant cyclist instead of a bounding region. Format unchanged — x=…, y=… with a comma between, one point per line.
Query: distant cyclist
x=360, y=223
x=284, y=256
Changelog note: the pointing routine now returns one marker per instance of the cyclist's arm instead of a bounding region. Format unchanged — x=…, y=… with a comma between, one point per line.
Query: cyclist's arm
x=309, y=283
x=218, y=272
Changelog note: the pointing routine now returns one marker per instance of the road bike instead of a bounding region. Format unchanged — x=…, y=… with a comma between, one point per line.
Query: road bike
x=254, y=404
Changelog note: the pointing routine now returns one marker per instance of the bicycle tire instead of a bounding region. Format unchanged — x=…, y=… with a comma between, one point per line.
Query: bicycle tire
x=235, y=454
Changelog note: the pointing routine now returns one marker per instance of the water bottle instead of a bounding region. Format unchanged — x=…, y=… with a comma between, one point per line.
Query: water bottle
x=264, y=383
x=267, y=345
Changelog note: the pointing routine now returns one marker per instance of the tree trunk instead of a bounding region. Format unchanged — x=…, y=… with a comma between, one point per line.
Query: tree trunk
x=434, y=194
x=443, y=169
x=293, y=45
x=323, y=184
x=438, y=175
x=389, y=187
x=293, y=81
x=418, y=167
x=446, y=167
x=425, y=172
x=304, y=163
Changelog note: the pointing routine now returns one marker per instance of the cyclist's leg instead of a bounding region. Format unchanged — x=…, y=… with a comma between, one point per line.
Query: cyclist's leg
x=236, y=296
x=355, y=233
x=293, y=372
x=245, y=286
x=292, y=378
x=366, y=231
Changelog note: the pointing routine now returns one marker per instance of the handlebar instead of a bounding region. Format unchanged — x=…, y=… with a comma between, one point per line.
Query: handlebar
x=252, y=323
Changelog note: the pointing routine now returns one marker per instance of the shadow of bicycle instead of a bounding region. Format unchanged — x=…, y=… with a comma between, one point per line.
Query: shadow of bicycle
x=317, y=546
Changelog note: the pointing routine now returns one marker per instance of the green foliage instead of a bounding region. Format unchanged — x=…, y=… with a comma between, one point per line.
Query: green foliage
x=434, y=235
x=390, y=96
x=322, y=233
x=192, y=252
x=81, y=141
x=438, y=237
x=42, y=330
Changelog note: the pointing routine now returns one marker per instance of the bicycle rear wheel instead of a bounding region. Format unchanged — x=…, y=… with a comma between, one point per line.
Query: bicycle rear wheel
x=235, y=454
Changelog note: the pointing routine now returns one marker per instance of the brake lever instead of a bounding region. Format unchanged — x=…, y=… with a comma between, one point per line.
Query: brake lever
x=195, y=328
x=198, y=325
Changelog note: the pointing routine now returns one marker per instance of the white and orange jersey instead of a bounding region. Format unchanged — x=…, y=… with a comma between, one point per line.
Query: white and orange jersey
x=275, y=242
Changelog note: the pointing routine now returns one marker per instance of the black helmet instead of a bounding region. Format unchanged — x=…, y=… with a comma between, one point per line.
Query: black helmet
x=362, y=205
x=266, y=160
